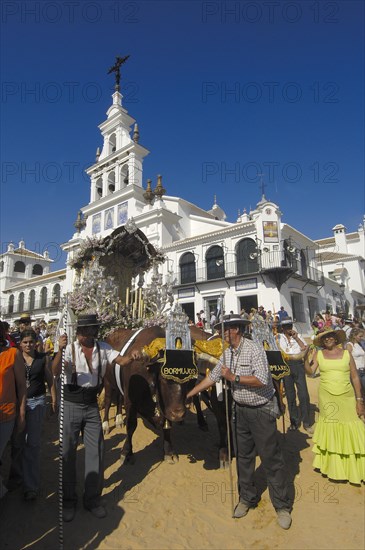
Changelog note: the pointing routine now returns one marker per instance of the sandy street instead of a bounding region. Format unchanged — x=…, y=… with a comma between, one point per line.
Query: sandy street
x=156, y=505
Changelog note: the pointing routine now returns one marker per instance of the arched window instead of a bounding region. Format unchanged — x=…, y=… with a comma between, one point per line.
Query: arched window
x=31, y=300
x=303, y=263
x=56, y=294
x=247, y=257
x=11, y=304
x=215, y=263
x=21, y=302
x=99, y=188
x=37, y=270
x=112, y=144
x=124, y=176
x=187, y=268
x=111, y=182
x=44, y=297
x=1, y=266
x=19, y=267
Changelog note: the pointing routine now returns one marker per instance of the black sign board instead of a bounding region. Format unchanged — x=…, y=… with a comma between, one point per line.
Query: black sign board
x=179, y=366
x=277, y=365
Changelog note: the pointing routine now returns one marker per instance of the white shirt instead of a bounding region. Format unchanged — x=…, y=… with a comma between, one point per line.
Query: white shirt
x=289, y=346
x=84, y=377
x=358, y=354
x=347, y=329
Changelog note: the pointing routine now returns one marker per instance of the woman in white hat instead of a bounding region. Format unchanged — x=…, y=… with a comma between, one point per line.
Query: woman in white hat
x=339, y=436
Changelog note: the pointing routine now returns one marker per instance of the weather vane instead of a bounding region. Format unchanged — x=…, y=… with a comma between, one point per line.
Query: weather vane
x=116, y=69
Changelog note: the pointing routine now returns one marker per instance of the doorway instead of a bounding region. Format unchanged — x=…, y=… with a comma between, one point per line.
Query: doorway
x=248, y=302
x=189, y=309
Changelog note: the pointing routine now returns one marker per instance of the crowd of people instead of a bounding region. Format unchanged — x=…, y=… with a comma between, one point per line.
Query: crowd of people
x=45, y=332
x=339, y=434
x=27, y=365
x=321, y=321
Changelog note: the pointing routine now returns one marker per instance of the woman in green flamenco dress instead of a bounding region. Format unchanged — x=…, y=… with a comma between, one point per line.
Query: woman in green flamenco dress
x=339, y=436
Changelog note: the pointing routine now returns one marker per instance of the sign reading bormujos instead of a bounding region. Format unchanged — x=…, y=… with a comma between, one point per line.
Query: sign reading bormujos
x=179, y=366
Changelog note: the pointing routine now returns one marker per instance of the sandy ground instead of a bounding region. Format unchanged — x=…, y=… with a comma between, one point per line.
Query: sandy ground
x=156, y=505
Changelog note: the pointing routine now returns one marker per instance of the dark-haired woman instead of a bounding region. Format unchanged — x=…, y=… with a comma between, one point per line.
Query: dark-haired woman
x=339, y=436
x=12, y=392
x=26, y=446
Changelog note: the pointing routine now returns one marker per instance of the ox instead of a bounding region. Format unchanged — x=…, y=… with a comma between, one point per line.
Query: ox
x=146, y=392
x=156, y=399
x=111, y=391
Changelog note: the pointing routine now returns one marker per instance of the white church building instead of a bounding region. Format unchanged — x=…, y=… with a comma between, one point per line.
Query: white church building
x=255, y=260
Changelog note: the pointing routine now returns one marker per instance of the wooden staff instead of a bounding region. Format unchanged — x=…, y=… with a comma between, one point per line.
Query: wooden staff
x=281, y=391
x=226, y=402
x=60, y=438
x=140, y=302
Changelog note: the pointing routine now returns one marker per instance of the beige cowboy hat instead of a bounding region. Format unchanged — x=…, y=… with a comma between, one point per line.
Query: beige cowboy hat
x=25, y=318
x=340, y=336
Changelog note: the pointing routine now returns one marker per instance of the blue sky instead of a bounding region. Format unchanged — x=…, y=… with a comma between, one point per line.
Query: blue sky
x=222, y=91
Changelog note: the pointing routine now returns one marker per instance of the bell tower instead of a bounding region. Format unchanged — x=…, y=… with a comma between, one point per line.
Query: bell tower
x=119, y=163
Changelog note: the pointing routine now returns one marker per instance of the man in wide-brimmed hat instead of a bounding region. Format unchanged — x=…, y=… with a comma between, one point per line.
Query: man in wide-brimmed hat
x=244, y=365
x=294, y=348
x=24, y=322
x=85, y=365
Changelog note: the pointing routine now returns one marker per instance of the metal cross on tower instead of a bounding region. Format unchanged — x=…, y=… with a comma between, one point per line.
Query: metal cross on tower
x=116, y=69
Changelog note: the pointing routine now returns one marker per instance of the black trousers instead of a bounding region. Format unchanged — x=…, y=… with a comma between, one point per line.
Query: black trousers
x=255, y=431
x=294, y=384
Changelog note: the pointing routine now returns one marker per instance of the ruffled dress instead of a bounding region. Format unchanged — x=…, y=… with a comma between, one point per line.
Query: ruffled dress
x=339, y=436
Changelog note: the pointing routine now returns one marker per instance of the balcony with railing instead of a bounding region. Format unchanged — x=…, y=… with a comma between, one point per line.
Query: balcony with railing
x=281, y=259
x=53, y=303
x=278, y=264
x=312, y=275
x=201, y=275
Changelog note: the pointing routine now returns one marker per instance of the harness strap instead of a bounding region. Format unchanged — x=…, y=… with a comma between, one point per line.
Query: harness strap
x=100, y=380
x=118, y=367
